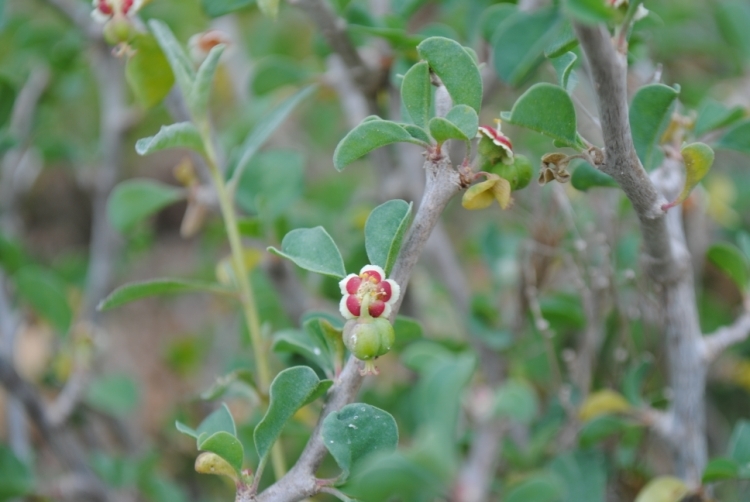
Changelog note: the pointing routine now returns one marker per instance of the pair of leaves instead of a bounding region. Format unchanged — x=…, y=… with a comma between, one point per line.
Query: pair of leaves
x=217, y=434
x=313, y=248
x=458, y=72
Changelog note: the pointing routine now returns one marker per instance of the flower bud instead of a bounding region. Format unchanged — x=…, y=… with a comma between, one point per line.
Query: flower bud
x=119, y=30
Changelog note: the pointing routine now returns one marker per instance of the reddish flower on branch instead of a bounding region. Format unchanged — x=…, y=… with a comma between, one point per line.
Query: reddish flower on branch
x=104, y=10
x=494, y=145
x=371, y=288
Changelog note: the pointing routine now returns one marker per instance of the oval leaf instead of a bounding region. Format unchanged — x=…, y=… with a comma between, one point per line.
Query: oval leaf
x=519, y=43
x=456, y=69
x=516, y=400
x=134, y=200
x=148, y=71
x=539, y=489
x=180, y=135
x=158, y=287
x=312, y=249
x=737, y=138
x=465, y=119
x=663, y=489
x=211, y=463
x=590, y=11
x=299, y=342
x=356, y=431
x=719, y=469
x=599, y=428
x=45, y=292
x=182, y=66
x=547, y=109
x=384, y=232
x=650, y=114
x=698, y=157
x=731, y=261
x=290, y=390
x=274, y=72
x=369, y=135
x=564, y=67
x=603, y=402
x=714, y=115
x=220, y=420
x=416, y=93
x=226, y=446
x=739, y=443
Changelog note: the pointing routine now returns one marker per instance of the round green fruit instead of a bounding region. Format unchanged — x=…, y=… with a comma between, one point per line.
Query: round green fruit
x=368, y=338
x=518, y=174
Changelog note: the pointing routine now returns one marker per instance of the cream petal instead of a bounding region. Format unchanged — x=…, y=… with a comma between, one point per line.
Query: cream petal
x=343, y=310
x=343, y=282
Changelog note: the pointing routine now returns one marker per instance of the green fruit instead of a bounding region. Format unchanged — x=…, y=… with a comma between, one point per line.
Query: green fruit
x=518, y=174
x=368, y=338
x=118, y=30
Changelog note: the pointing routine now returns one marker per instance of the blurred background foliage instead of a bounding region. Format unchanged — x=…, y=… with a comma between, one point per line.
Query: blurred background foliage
x=151, y=360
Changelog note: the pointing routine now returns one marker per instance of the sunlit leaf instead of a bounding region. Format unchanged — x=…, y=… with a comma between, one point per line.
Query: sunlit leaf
x=312, y=249
x=663, y=489
x=481, y=195
x=456, y=69
x=148, y=71
x=601, y=403
x=698, y=157
x=211, y=463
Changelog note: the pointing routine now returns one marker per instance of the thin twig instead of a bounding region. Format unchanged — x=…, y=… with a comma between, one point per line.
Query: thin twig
x=723, y=338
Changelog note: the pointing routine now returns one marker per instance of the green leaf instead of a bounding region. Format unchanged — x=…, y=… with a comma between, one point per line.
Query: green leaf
x=739, y=443
x=590, y=11
x=539, y=488
x=220, y=420
x=546, y=109
x=564, y=67
x=737, y=138
x=290, y=390
x=416, y=93
x=116, y=394
x=714, y=115
x=583, y=475
x=180, y=135
x=519, y=43
x=299, y=342
x=134, y=200
x=312, y=249
x=265, y=128
x=16, y=478
x=633, y=381
x=274, y=72
x=517, y=400
x=732, y=262
x=217, y=8
x=182, y=66
x=272, y=182
x=600, y=428
x=369, y=135
x=188, y=431
x=384, y=232
x=269, y=8
x=7, y=100
x=698, y=157
x=603, y=402
x=198, y=99
x=493, y=16
x=45, y=292
x=356, y=431
x=456, y=69
x=720, y=469
x=158, y=287
x=397, y=38
x=407, y=330
x=564, y=41
x=460, y=123
x=148, y=71
x=417, y=133
x=225, y=445
x=650, y=114
x=663, y=489
x=587, y=176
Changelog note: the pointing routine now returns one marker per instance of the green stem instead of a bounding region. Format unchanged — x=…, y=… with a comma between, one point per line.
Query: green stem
x=247, y=296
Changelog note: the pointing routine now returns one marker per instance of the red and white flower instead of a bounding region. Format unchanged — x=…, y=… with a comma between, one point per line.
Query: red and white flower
x=498, y=139
x=371, y=289
x=104, y=10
